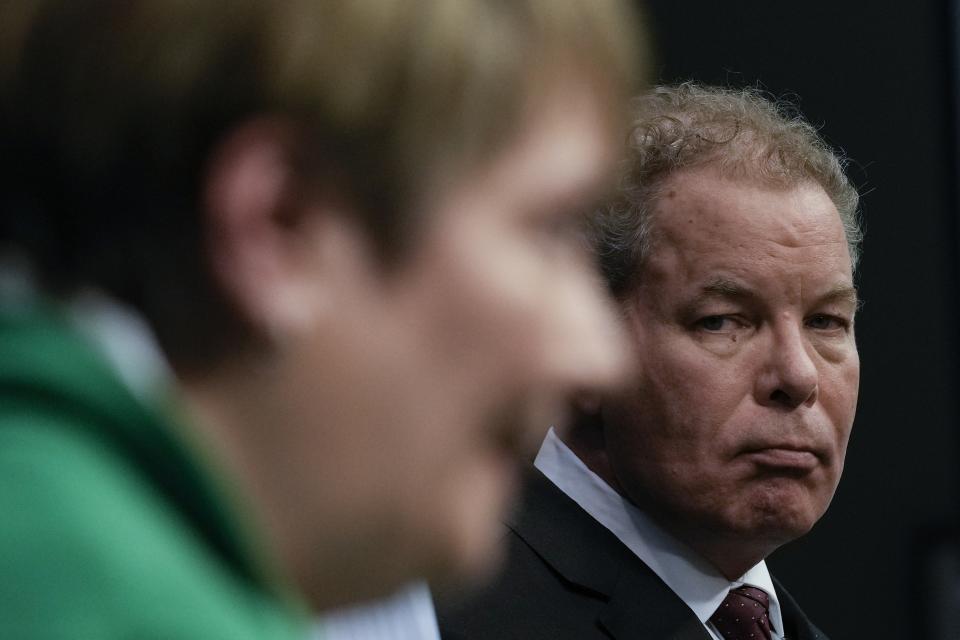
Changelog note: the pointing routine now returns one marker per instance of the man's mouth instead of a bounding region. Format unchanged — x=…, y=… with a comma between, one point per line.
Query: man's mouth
x=796, y=460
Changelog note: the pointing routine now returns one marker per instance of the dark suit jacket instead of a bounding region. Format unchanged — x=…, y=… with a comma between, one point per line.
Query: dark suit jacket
x=568, y=577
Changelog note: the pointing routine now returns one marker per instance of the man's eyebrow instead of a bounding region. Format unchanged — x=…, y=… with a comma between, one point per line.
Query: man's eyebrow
x=843, y=293
x=732, y=290
x=725, y=288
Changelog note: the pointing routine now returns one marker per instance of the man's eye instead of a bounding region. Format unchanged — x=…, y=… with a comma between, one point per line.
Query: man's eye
x=824, y=322
x=715, y=323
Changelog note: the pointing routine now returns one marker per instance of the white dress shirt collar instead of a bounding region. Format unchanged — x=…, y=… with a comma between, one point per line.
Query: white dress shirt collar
x=126, y=340
x=114, y=329
x=688, y=575
x=406, y=615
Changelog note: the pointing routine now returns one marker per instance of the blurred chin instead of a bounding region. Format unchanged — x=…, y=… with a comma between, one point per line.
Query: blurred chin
x=474, y=536
x=475, y=562
x=483, y=486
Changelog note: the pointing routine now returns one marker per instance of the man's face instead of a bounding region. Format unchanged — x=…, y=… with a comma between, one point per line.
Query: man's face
x=459, y=359
x=738, y=421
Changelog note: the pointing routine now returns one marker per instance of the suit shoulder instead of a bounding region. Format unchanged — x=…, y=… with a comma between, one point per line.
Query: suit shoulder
x=797, y=625
x=527, y=600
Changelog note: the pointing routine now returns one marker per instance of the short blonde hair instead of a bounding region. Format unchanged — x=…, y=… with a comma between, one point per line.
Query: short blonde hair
x=109, y=110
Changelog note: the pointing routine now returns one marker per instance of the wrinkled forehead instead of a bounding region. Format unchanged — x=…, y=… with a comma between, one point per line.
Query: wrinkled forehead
x=706, y=222
x=705, y=203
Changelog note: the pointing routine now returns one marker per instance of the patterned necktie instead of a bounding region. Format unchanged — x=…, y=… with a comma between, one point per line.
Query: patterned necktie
x=743, y=615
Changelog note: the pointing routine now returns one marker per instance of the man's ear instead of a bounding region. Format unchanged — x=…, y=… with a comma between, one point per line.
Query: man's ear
x=263, y=242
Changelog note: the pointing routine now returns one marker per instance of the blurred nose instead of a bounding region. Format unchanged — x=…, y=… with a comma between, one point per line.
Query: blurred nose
x=789, y=377
x=590, y=352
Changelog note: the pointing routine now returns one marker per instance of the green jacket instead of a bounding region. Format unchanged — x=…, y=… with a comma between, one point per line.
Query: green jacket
x=110, y=526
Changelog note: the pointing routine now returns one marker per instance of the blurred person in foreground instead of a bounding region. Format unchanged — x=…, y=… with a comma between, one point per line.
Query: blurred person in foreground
x=731, y=249
x=289, y=285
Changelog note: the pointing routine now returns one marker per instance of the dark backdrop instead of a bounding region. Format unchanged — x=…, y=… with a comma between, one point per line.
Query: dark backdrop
x=877, y=77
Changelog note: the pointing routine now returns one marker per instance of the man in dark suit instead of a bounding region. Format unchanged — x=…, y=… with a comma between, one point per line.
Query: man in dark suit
x=731, y=250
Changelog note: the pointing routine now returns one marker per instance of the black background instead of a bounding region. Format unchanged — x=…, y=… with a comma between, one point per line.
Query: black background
x=878, y=77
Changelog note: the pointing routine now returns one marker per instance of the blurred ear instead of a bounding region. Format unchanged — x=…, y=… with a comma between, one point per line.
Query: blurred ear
x=270, y=249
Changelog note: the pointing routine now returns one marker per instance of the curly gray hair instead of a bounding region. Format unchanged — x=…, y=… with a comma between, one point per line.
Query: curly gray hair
x=738, y=131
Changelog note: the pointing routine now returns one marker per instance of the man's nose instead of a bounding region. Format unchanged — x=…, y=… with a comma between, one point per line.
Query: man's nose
x=789, y=377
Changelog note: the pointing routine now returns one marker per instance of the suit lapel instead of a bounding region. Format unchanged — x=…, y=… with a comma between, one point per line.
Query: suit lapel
x=796, y=624
x=635, y=602
x=641, y=606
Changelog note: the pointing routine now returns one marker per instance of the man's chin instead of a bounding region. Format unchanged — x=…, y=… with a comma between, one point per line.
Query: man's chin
x=792, y=503
x=775, y=525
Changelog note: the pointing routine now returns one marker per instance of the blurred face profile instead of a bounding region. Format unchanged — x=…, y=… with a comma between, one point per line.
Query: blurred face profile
x=737, y=425
x=366, y=389
x=511, y=316
x=452, y=363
